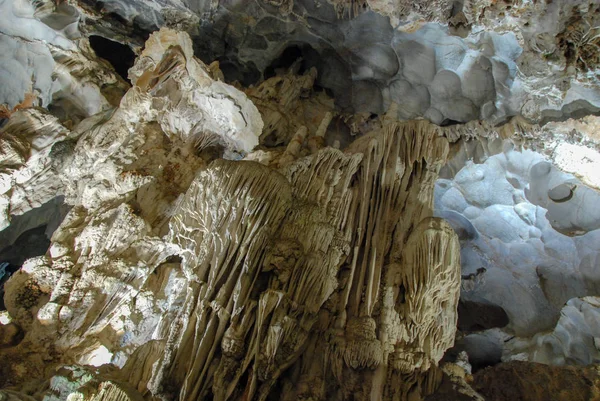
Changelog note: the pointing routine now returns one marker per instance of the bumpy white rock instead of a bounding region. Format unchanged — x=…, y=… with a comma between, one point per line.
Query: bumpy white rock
x=529, y=239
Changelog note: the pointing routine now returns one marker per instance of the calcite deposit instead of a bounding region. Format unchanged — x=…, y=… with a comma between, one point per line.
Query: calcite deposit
x=224, y=273
x=299, y=200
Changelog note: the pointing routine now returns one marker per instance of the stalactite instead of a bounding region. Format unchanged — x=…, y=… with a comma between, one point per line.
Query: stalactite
x=316, y=266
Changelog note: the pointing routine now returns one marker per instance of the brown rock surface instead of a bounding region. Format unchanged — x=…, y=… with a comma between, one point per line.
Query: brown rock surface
x=527, y=381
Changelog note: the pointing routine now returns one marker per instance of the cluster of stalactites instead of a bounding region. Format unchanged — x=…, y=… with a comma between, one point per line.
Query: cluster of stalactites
x=263, y=253
x=328, y=263
x=429, y=288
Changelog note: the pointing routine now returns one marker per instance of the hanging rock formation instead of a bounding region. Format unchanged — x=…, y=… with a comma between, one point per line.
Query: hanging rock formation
x=298, y=199
x=235, y=279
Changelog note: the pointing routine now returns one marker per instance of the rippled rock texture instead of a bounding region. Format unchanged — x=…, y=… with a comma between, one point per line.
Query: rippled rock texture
x=529, y=246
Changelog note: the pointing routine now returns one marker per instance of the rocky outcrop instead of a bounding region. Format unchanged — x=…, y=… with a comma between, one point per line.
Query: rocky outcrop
x=573, y=341
x=44, y=62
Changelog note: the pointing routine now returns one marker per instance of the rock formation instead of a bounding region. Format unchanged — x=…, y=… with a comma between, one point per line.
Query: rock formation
x=229, y=274
x=309, y=199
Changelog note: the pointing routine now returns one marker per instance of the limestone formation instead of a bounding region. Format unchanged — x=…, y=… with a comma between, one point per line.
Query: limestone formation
x=528, y=232
x=298, y=199
x=222, y=279
x=439, y=59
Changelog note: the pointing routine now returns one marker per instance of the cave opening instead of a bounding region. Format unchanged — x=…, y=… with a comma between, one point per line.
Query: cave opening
x=28, y=236
x=246, y=74
x=308, y=55
x=308, y=58
x=120, y=56
x=449, y=122
x=31, y=243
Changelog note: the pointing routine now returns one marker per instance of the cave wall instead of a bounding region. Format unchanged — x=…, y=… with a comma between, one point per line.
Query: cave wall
x=295, y=199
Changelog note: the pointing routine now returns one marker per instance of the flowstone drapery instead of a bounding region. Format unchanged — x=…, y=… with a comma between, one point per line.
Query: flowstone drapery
x=318, y=274
x=297, y=199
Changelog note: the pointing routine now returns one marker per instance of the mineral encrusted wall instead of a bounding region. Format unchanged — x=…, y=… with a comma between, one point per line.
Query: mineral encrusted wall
x=270, y=223
x=235, y=279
